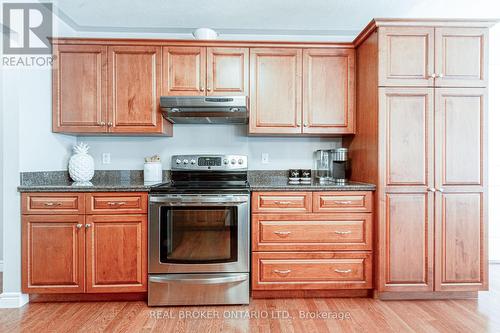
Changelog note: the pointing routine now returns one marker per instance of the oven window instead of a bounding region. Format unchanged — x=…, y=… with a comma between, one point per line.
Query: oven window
x=193, y=235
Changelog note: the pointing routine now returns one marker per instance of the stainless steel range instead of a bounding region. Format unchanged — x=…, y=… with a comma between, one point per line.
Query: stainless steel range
x=199, y=233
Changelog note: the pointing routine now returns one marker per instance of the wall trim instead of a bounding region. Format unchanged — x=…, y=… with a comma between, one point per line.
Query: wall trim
x=13, y=300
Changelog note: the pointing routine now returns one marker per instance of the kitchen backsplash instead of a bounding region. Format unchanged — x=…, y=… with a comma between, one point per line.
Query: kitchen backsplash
x=127, y=153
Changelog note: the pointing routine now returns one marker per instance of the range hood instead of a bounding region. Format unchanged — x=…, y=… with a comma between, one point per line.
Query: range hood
x=205, y=109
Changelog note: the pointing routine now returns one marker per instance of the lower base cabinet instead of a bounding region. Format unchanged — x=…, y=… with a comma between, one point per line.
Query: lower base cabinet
x=72, y=253
x=318, y=242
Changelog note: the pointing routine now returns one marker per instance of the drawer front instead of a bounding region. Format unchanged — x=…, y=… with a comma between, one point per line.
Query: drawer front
x=321, y=270
x=281, y=202
x=311, y=232
x=327, y=202
x=52, y=203
x=110, y=203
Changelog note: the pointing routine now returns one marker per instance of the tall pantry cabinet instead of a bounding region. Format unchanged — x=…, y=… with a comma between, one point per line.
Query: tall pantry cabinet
x=421, y=137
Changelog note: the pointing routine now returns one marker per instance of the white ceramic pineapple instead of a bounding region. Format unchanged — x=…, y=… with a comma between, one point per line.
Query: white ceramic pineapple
x=81, y=164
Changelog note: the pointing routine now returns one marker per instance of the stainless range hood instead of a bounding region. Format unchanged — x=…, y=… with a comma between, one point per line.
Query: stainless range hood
x=205, y=109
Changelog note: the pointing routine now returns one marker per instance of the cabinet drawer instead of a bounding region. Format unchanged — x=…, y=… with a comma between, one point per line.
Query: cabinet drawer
x=310, y=232
x=311, y=270
x=52, y=203
x=326, y=202
x=110, y=203
x=281, y=202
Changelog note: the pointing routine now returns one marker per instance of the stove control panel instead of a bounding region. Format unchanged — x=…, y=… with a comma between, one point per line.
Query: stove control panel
x=209, y=162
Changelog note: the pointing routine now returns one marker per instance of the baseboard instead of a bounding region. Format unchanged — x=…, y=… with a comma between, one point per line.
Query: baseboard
x=13, y=300
x=1, y=266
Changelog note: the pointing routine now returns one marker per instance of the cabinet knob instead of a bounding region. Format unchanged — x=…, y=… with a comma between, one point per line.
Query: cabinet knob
x=441, y=190
x=88, y=225
x=431, y=189
x=79, y=226
x=202, y=89
x=110, y=124
x=440, y=75
x=209, y=89
x=102, y=123
x=433, y=75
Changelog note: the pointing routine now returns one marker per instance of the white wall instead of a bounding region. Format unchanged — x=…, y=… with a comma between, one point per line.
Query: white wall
x=284, y=153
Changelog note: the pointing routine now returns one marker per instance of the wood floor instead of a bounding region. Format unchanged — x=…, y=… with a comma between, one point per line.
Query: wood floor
x=283, y=315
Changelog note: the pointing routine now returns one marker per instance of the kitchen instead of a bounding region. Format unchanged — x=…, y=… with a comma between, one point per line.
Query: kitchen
x=394, y=96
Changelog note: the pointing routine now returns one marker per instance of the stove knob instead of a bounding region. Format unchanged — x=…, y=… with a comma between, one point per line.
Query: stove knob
x=240, y=161
x=226, y=161
x=185, y=161
x=178, y=161
x=233, y=161
x=193, y=161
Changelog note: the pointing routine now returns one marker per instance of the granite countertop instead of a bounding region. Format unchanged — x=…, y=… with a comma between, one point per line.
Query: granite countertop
x=132, y=180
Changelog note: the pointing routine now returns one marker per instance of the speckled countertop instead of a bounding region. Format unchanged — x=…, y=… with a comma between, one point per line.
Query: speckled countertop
x=132, y=180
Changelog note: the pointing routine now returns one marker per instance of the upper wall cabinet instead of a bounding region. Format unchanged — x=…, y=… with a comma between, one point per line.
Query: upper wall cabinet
x=275, y=91
x=200, y=71
x=309, y=91
x=428, y=56
x=328, y=91
x=79, y=89
x=134, y=92
x=107, y=89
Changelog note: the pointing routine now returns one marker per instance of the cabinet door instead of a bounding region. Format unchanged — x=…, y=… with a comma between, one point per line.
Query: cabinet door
x=329, y=91
x=406, y=56
x=461, y=57
x=184, y=71
x=406, y=238
x=461, y=209
x=79, y=89
x=53, y=254
x=134, y=90
x=275, y=91
x=227, y=71
x=116, y=253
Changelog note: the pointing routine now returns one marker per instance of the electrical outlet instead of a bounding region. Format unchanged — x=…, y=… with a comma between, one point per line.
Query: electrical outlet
x=265, y=158
x=106, y=158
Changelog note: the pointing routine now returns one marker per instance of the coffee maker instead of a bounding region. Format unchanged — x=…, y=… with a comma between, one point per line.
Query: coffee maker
x=332, y=165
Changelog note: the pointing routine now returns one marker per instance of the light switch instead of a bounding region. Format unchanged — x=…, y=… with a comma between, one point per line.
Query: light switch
x=106, y=158
x=265, y=158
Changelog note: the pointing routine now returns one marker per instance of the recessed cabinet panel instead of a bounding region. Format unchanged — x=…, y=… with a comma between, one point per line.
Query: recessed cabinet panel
x=461, y=55
x=329, y=77
x=79, y=89
x=407, y=118
x=461, y=261
x=406, y=56
x=460, y=136
x=53, y=253
x=408, y=250
x=116, y=253
x=227, y=71
x=184, y=70
x=135, y=74
x=275, y=91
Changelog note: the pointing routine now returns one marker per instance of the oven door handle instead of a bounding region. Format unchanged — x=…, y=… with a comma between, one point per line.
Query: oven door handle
x=198, y=280
x=200, y=203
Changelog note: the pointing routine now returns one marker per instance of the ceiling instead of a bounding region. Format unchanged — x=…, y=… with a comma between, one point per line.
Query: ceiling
x=255, y=17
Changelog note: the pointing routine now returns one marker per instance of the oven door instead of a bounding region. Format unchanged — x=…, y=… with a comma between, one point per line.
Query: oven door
x=198, y=233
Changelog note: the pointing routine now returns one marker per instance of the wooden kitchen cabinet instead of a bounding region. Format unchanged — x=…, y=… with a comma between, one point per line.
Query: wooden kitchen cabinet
x=433, y=56
x=205, y=71
x=116, y=253
x=461, y=210
x=107, y=90
x=53, y=254
x=329, y=91
x=79, y=89
x=101, y=248
x=134, y=89
x=275, y=91
x=227, y=71
x=461, y=57
x=296, y=247
x=184, y=70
